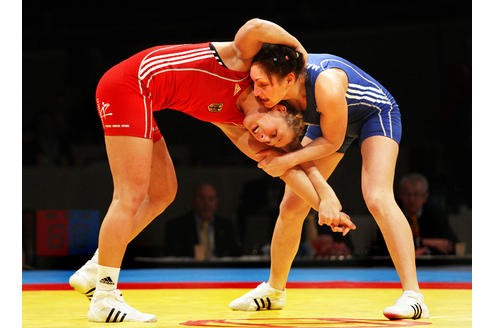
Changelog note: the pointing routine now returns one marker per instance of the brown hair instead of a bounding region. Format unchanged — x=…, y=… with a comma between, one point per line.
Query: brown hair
x=279, y=60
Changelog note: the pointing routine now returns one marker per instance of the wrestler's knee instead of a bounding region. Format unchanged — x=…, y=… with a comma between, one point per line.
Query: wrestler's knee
x=378, y=201
x=163, y=198
x=131, y=197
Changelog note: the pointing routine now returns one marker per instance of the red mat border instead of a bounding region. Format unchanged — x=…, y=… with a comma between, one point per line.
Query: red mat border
x=199, y=285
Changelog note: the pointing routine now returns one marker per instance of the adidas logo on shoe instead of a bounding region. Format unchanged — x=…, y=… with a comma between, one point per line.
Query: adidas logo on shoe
x=84, y=279
x=261, y=304
x=263, y=297
x=118, y=317
x=418, y=310
x=107, y=280
x=409, y=305
x=89, y=293
x=109, y=306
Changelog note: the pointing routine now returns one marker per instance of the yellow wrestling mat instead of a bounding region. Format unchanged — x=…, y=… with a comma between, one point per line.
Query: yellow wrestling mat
x=305, y=307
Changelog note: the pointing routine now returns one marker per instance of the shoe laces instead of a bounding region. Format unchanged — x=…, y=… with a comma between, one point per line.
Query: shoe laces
x=117, y=294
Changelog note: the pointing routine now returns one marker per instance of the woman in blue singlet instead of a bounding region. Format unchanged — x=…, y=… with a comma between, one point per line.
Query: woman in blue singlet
x=341, y=103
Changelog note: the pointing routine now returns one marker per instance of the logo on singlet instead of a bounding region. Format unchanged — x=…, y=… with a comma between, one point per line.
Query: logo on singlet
x=103, y=109
x=237, y=88
x=215, y=108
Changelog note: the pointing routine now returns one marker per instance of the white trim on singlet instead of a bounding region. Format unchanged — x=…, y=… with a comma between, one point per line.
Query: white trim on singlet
x=379, y=93
x=157, y=64
x=151, y=62
x=362, y=90
x=356, y=71
x=363, y=97
x=149, y=66
x=147, y=130
x=154, y=64
x=197, y=70
x=379, y=116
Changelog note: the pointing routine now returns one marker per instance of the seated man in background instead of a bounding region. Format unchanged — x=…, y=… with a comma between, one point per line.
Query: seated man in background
x=201, y=233
x=430, y=226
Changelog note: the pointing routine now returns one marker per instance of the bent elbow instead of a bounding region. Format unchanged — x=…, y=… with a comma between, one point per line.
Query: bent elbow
x=256, y=24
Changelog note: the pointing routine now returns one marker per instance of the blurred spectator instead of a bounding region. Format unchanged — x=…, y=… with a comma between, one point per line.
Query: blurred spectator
x=429, y=224
x=319, y=241
x=201, y=233
x=46, y=138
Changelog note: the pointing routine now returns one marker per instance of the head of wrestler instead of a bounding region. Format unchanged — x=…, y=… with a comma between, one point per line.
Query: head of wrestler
x=276, y=71
x=279, y=126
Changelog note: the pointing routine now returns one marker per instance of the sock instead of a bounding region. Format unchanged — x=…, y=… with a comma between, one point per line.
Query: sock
x=107, y=278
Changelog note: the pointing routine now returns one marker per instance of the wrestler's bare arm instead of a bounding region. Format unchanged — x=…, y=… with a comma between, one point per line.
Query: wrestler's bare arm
x=305, y=181
x=330, y=91
x=249, y=39
x=295, y=178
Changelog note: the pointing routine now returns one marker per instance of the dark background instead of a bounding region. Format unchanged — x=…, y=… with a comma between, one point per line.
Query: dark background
x=421, y=51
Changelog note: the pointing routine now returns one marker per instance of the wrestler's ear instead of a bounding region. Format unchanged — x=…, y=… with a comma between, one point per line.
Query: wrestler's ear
x=281, y=107
x=291, y=78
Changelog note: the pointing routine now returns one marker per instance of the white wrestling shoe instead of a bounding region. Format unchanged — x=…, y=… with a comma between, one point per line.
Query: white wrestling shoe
x=109, y=306
x=409, y=306
x=263, y=297
x=84, y=279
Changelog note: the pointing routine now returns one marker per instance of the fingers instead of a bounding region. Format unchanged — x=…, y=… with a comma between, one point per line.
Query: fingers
x=346, y=221
x=341, y=224
x=339, y=228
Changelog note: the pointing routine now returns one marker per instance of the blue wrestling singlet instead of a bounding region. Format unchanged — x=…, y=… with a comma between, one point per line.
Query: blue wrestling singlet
x=372, y=110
